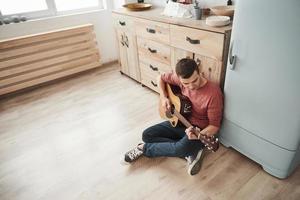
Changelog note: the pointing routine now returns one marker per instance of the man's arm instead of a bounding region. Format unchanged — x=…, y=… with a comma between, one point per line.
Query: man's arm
x=210, y=130
x=163, y=95
x=162, y=87
x=214, y=113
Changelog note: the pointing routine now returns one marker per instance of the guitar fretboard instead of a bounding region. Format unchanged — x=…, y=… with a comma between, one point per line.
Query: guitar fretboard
x=182, y=119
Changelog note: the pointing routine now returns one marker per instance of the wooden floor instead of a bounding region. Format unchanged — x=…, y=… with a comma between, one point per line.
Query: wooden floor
x=64, y=141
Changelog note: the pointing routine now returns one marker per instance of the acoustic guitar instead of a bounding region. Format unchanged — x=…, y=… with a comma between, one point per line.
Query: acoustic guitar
x=181, y=107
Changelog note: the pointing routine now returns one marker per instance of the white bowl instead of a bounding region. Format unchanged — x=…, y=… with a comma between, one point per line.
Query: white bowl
x=217, y=20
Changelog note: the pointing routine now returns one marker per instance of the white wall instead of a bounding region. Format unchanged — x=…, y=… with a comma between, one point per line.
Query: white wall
x=119, y=3
x=101, y=19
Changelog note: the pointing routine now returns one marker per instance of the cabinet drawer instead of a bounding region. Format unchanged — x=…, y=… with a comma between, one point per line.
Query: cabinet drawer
x=149, y=81
x=198, y=41
x=123, y=22
x=145, y=69
x=153, y=65
x=153, y=30
x=154, y=50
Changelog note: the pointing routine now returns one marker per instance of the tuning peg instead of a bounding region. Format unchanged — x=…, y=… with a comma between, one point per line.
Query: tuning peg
x=217, y=139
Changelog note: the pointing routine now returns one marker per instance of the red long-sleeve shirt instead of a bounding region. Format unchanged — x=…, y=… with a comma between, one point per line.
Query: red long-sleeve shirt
x=207, y=102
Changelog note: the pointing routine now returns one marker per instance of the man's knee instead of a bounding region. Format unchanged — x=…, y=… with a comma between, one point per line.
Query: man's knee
x=147, y=134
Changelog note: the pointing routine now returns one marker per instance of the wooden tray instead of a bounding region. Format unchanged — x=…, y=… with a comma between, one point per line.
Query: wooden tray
x=138, y=6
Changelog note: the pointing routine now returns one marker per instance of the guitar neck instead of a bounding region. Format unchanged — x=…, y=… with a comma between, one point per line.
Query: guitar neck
x=182, y=119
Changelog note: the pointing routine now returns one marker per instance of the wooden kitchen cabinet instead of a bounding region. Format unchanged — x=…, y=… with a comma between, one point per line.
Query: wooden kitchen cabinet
x=162, y=41
x=128, y=56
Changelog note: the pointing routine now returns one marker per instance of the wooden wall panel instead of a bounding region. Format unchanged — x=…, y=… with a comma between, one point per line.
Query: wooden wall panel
x=33, y=59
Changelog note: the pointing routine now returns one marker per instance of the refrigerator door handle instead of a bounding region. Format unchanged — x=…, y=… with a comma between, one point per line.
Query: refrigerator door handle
x=232, y=58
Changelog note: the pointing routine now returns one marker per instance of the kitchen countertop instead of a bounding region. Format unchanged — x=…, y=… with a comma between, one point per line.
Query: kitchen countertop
x=155, y=15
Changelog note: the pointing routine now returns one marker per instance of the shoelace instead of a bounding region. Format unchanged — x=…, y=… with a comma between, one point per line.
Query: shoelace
x=135, y=153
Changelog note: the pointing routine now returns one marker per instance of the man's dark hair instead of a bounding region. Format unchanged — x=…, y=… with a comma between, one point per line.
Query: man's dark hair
x=186, y=67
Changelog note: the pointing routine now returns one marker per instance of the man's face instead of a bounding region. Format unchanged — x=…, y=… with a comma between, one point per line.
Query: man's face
x=193, y=82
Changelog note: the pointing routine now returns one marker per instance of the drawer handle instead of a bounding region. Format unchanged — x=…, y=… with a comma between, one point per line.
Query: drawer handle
x=155, y=85
x=192, y=41
x=122, y=23
x=150, y=30
x=153, y=68
x=152, y=50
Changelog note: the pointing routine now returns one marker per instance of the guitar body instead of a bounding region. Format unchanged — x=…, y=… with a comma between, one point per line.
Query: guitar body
x=179, y=102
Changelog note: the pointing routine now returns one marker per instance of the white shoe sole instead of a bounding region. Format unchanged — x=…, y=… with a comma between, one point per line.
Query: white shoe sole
x=196, y=164
x=123, y=162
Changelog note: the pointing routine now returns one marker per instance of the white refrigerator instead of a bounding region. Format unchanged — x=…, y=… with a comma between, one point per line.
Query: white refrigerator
x=262, y=85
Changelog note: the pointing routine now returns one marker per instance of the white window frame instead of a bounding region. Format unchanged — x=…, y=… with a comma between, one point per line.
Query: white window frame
x=52, y=11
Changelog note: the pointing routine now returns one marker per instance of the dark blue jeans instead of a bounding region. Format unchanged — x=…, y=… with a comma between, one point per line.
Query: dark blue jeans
x=164, y=140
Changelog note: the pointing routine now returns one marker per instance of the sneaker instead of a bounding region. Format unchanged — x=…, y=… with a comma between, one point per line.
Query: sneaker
x=133, y=154
x=194, y=163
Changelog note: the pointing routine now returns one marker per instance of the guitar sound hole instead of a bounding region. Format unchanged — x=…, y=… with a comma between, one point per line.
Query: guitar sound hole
x=170, y=113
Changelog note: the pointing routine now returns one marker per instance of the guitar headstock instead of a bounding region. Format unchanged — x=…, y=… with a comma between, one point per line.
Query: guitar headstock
x=210, y=142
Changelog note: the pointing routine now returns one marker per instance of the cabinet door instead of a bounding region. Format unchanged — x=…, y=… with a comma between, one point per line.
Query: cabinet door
x=210, y=68
x=132, y=56
x=122, y=52
x=177, y=54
